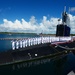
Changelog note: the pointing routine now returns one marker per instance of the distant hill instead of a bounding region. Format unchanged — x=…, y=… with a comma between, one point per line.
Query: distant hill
x=31, y=33
x=15, y=33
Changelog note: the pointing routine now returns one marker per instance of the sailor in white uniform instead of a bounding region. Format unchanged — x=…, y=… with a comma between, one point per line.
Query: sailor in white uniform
x=38, y=40
x=23, y=41
x=42, y=39
x=13, y=45
x=17, y=44
x=20, y=43
x=33, y=41
x=50, y=39
x=26, y=42
x=29, y=41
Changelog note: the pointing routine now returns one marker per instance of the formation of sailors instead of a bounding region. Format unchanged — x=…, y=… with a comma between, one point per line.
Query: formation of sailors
x=22, y=43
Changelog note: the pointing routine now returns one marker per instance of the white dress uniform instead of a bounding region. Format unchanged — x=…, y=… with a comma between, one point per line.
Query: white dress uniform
x=17, y=44
x=50, y=39
x=20, y=43
x=42, y=39
x=29, y=42
x=23, y=41
x=34, y=41
x=13, y=45
x=26, y=42
x=38, y=40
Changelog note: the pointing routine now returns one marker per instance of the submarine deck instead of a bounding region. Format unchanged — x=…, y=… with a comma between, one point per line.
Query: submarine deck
x=30, y=53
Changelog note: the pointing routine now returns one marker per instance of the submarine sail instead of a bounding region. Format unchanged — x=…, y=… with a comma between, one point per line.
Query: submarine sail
x=63, y=29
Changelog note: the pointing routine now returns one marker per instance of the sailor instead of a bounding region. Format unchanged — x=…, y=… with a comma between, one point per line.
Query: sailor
x=49, y=39
x=17, y=44
x=26, y=42
x=13, y=45
x=29, y=41
x=36, y=41
x=46, y=39
x=43, y=40
x=21, y=43
x=33, y=41
x=39, y=40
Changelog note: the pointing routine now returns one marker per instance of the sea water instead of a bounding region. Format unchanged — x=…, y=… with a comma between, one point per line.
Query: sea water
x=7, y=44
x=49, y=66
x=61, y=65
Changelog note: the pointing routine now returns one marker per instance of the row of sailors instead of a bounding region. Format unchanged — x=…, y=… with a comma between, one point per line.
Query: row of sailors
x=29, y=42
x=34, y=41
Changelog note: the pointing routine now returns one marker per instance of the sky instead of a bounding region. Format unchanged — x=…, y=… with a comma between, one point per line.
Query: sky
x=34, y=16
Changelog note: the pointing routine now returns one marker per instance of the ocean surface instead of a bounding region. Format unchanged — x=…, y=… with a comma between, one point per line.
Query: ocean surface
x=61, y=65
x=7, y=45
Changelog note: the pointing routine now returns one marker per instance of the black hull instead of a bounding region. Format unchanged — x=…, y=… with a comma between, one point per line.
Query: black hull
x=33, y=53
x=28, y=54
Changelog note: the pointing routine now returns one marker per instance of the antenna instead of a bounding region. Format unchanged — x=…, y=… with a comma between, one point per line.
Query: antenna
x=65, y=9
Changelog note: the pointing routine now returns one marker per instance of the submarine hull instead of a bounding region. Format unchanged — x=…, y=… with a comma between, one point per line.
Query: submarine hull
x=32, y=53
x=26, y=54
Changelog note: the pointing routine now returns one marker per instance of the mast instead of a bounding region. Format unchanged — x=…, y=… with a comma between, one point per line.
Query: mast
x=64, y=16
x=65, y=9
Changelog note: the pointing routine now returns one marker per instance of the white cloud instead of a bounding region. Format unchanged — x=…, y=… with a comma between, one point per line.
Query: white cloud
x=72, y=23
x=46, y=25
x=72, y=9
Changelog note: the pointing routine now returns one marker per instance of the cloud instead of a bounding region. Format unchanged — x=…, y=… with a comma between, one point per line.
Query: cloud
x=72, y=23
x=32, y=26
x=72, y=9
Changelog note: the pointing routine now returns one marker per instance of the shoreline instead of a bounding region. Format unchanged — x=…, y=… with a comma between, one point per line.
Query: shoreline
x=31, y=33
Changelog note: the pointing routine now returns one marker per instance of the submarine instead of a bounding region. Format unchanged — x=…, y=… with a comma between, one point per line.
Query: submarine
x=63, y=29
x=45, y=47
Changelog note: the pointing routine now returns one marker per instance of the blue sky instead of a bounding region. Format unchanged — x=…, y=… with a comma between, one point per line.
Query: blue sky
x=38, y=10
x=17, y=9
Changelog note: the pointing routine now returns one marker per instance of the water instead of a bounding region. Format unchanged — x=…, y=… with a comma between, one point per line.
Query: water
x=61, y=65
x=55, y=66
x=6, y=44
